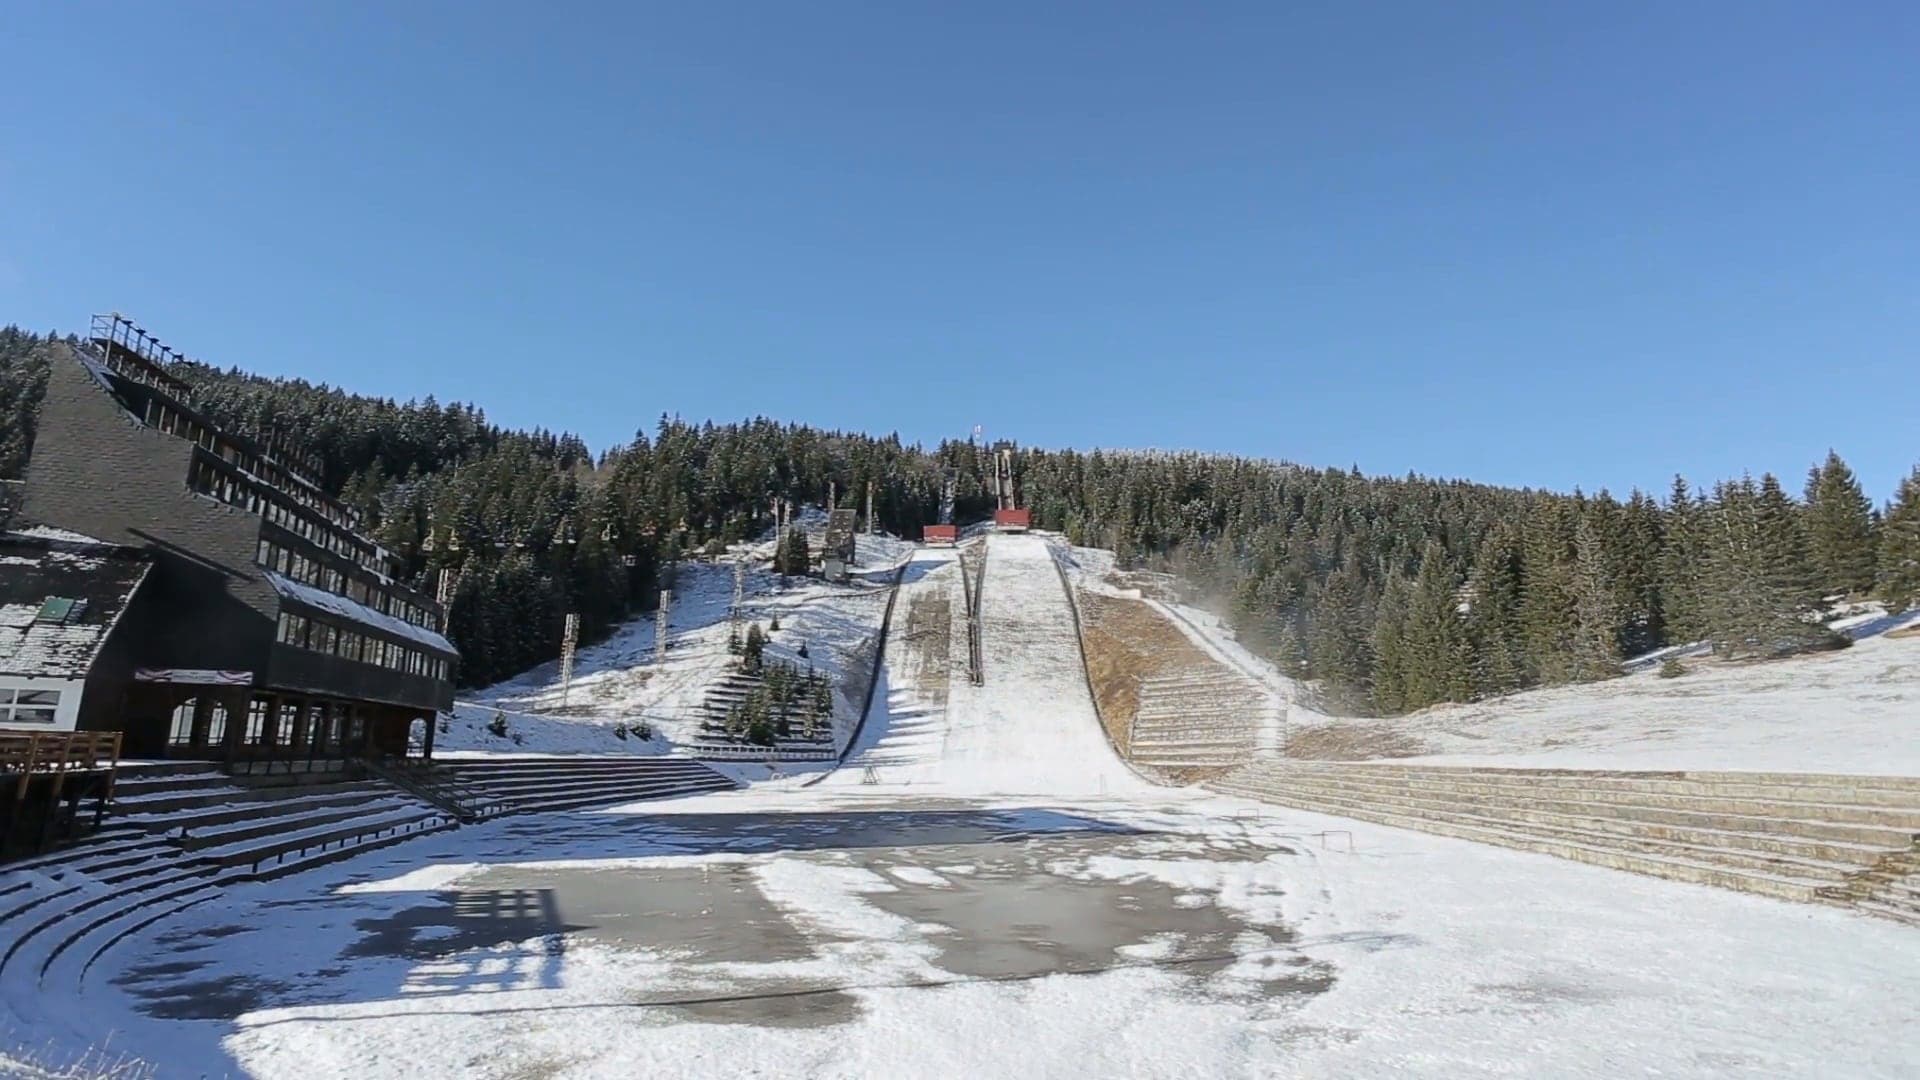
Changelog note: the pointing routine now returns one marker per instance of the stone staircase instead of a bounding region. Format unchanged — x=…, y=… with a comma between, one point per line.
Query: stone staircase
x=717, y=744
x=1197, y=718
x=1849, y=840
x=528, y=785
x=179, y=834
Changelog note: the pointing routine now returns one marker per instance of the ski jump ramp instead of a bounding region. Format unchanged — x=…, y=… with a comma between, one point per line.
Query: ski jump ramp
x=1030, y=730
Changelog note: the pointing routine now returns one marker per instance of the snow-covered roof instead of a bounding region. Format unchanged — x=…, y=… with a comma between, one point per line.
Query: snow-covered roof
x=48, y=532
x=355, y=611
x=103, y=577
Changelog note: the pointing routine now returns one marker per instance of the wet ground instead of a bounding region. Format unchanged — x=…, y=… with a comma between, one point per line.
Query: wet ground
x=775, y=920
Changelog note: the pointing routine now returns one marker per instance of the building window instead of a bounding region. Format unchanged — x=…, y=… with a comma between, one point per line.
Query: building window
x=182, y=732
x=28, y=706
x=257, y=722
x=286, y=724
x=217, y=725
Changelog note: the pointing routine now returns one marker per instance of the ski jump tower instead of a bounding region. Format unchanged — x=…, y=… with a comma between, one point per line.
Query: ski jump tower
x=1008, y=514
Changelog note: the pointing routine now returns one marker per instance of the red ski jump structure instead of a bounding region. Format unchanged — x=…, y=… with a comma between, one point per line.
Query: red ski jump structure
x=1008, y=514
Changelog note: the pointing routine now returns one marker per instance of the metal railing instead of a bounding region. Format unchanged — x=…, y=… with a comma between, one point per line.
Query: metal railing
x=430, y=783
x=340, y=842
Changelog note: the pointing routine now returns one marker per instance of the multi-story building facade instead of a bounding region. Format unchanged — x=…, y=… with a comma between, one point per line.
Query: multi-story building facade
x=271, y=627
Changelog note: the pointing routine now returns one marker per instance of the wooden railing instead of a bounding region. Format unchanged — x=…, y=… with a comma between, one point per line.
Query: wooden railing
x=56, y=754
x=26, y=752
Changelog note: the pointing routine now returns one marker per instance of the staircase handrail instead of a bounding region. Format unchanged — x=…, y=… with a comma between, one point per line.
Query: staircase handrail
x=425, y=780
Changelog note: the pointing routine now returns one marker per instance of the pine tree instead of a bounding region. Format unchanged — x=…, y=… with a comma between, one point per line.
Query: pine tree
x=1546, y=596
x=1493, y=616
x=1683, y=562
x=1390, y=658
x=1433, y=650
x=1759, y=592
x=1633, y=558
x=1783, y=537
x=1339, y=645
x=1839, y=519
x=1899, y=572
x=1596, y=614
x=754, y=648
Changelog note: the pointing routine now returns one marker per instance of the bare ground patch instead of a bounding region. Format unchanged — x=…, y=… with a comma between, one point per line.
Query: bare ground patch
x=1354, y=740
x=1128, y=641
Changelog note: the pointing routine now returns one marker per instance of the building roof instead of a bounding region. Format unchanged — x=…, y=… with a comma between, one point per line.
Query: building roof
x=355, y=611
x=59, y=598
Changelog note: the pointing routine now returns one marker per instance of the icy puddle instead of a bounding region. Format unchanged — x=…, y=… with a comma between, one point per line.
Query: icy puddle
x=781, y=921
x=790, y=940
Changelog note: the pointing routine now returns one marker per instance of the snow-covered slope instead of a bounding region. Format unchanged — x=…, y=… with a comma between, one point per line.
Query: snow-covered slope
x=1031, y=729
x=1852, y=711
x=907, y=727
x=620, y=682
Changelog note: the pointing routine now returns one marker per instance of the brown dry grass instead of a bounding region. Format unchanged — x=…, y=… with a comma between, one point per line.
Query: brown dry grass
x=1353, y=740
x=1128, y=641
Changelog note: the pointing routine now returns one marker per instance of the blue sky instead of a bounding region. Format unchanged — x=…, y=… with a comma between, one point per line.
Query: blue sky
x=1518, y=243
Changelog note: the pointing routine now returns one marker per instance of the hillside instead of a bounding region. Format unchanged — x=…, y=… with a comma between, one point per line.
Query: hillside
x=1390, y=593
x=1856, y=710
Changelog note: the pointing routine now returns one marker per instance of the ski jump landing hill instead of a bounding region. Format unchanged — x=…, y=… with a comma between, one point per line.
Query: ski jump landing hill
x=1030, y=727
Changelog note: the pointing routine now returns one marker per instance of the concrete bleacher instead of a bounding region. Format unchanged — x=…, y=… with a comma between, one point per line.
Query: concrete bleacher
x=527, y=785
x=179, y=834
x=1197, y=718
x=715, y=743
x=1847, y=840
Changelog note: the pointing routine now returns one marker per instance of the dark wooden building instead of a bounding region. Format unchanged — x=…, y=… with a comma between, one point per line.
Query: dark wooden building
x=270, y=628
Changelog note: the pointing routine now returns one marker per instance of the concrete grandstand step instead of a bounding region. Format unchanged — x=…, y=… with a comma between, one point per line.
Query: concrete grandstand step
x=1901, y=789
x=258, y=852
x=1197, y=717
x=1779, y=864
x=540, y=784
x=1519, y=793
x=512, y=792
x=1813, y=829
x=1201, y=728
x=261, y=805
x=1676, y=869
x=294, y=819
x=604, y=793
x=1177, y=744
x=1197, y=680
x=105, y=844
x=1876, y=791
x=1227, y=692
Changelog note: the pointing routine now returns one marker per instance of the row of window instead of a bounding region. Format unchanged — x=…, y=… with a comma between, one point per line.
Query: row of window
x=28, y=706
x=301, y=725
x=320, y=635
x=235, y=489
x=173, y=421
x=309, y=571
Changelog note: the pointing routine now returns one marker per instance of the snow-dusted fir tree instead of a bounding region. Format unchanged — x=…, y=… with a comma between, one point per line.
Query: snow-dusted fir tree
x=1683, y=565
x=1493, y=616
x=1839, y=520
x=1758, y=592
x=1390, y=646
x=1594, y=652
x=1435, y=663
x=1899, y=574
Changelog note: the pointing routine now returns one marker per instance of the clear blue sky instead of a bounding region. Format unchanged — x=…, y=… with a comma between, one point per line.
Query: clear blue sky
x=1518, y=243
